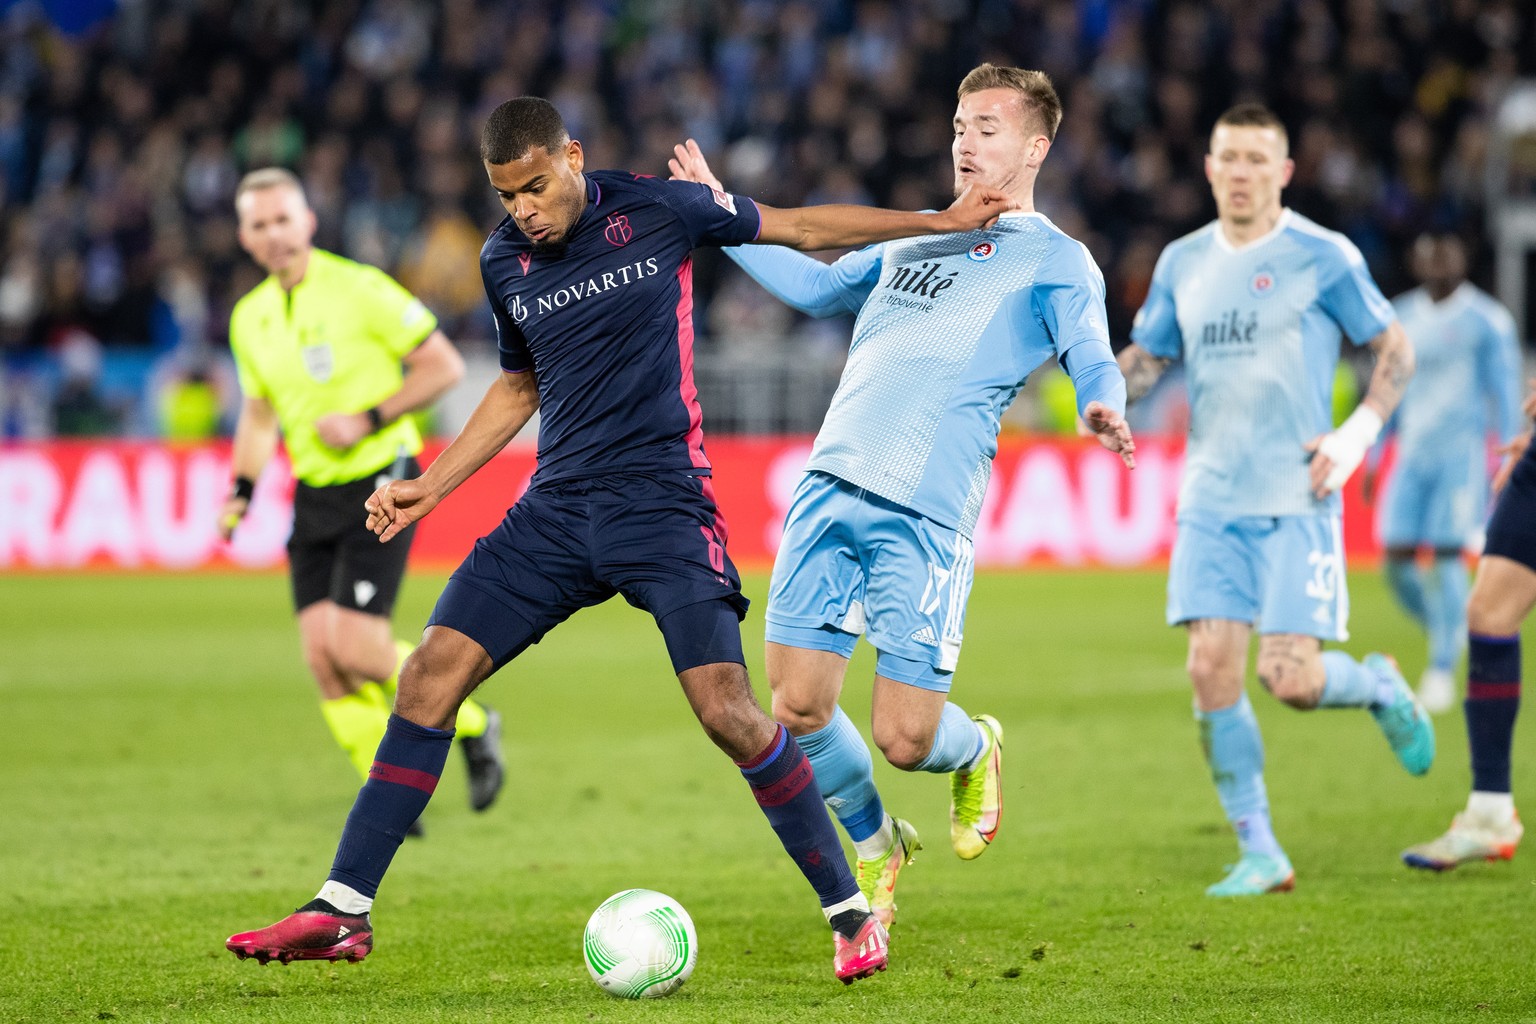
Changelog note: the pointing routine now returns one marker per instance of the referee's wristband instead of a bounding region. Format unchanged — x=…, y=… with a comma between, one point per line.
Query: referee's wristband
x=375, y=419
x=244, y=487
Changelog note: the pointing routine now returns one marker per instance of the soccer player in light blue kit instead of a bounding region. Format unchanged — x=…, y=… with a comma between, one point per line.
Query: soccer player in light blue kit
x=1468, y=366
x=1254, y=303
x=878, y=537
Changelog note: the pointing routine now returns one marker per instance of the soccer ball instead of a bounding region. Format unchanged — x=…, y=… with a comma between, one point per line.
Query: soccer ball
x=640, y=944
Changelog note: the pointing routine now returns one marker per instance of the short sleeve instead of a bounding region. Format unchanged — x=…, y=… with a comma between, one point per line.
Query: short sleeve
x=396, y=317
x=1348, y=294
x=1156, y=326
x=511, y=346
x=245, y=370
x=709, y=216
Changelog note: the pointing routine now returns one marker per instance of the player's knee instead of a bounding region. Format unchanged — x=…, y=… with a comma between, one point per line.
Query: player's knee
x=363, y=662
x=904, y=749
x=433, y=683
x=1489, y=614
x=800, y=716
x=1208, y=671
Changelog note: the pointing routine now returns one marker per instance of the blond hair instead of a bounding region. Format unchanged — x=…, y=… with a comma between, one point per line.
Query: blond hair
x=1254, y=115
x=1034, y=88
x=270, y=177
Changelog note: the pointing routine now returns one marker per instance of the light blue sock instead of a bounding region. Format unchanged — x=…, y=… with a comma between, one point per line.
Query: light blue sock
x=957, y=743
x=1407, y=584
x=846, y=774
x=1348, y=684
x=1235, y=752
x=1447, y=607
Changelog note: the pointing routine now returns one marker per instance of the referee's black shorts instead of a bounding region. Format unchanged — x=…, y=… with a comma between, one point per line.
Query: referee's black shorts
x=1512, y=529
x=333, y=555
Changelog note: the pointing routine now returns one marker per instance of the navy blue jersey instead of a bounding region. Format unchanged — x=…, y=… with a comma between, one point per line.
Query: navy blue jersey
x=607, y=325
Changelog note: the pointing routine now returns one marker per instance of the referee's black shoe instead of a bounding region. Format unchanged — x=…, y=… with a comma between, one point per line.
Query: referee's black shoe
x=482, y=755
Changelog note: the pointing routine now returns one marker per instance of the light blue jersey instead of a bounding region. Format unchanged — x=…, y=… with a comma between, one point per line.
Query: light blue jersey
x=948, y=329
x=1466, y=380
x=1258, y=328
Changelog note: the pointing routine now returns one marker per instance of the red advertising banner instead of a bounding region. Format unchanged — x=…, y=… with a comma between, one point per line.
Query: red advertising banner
x=67, y=505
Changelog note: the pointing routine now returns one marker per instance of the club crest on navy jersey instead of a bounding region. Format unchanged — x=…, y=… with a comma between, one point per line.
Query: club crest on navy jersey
x=618, y=231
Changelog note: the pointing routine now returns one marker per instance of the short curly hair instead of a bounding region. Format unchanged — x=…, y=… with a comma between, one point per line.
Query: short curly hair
x=519, y=125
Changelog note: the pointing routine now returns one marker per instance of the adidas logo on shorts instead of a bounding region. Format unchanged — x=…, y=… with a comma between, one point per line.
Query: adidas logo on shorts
x=925, y=637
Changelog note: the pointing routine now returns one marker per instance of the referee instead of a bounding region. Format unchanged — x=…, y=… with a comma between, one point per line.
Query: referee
x=334, y=354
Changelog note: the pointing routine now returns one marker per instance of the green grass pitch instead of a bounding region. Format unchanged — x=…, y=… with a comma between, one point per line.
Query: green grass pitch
x=168, y=782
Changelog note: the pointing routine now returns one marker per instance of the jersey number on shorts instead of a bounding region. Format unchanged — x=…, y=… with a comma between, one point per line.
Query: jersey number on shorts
x=1325, y=575
x=933, y=593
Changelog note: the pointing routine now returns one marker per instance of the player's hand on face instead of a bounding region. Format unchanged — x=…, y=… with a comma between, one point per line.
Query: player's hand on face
x=230, y=515
x=397, y=505
x=978, y=206
x=1512, y=453
x=1111, y=430
x=341, y=430
x=688, y=164
x=1529, y=407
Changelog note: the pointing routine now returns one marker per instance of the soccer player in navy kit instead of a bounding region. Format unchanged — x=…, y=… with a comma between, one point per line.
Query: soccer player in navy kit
x=1503, y=594
x=590, y=281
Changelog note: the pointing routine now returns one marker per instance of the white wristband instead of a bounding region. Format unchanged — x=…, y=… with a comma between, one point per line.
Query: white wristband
x=1346, y=446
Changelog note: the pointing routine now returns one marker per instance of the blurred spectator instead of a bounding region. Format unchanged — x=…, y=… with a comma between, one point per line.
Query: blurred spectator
x=190, y=407
x=124, y=130
x=79, y=410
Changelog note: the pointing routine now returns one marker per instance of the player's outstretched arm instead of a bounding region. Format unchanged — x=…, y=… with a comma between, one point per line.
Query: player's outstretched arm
x=795, y=279
x=1336, y=455
x=508, y=404
x=840, y=226
x=255, y=440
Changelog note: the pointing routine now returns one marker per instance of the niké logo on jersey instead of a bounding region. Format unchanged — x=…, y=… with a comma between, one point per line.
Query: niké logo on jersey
x=917, y=287
x=923, y=279
x=1232, y=329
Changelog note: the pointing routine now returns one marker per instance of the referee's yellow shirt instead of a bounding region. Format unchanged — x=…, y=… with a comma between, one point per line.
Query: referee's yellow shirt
x=333, y=344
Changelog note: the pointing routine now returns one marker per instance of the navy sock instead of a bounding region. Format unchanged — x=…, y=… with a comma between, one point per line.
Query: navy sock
x=786, y=790
x=1493, y=701
x=404, y=774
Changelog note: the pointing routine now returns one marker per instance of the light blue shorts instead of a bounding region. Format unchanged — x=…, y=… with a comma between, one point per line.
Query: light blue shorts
x=1284, y=573
x=852, y=562
x=1440, y=505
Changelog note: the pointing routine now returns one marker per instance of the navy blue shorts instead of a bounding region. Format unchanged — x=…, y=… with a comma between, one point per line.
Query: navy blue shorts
x=1512, y=530
x=656, y=539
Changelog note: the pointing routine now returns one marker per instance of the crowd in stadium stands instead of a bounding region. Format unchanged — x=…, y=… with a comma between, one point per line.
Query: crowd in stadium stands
x=121, y=140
